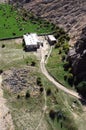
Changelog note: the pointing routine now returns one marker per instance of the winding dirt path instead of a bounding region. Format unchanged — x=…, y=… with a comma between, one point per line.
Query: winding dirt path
x=51, y=79
x=5, y=116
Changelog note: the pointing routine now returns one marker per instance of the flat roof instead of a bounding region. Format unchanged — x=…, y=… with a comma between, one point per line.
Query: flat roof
x=51, y=37
x=31, y=39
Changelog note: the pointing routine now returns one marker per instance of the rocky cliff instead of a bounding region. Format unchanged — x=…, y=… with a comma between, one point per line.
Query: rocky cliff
x=77, y=57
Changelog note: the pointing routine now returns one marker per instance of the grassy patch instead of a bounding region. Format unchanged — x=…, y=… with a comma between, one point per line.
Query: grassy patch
x=55, y=66
x=13, y=23
x=14, y=56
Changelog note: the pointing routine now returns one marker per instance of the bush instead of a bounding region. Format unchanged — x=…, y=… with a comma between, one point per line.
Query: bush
x=33, y=63
x=65, y=77
x=52, y=114
x=38, y=81
x=70, y=79
x=63, y=57
x=3, y=45
x=14, y=34
x=27, y=94
x=49, y=92
x=70, y=70
x=41, y=89
x=66, y=47
x=81, y=88
x=18, y=96
x=66, y=65
x=57, y=45
x=1, y=71
x=60, y=51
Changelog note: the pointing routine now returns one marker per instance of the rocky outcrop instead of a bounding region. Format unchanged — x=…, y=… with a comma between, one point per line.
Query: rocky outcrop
x=77, y=57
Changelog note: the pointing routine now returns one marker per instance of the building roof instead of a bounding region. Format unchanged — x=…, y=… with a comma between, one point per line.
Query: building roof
x=51, y=37
x=31, y=39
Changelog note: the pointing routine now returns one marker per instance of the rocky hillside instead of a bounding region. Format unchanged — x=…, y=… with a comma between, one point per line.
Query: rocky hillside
x=77, y=57
x=70, y=14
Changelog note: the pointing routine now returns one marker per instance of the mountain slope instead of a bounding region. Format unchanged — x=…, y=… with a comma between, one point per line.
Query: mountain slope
x=71, y=15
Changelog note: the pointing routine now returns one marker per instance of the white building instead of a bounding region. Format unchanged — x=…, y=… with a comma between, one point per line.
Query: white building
x=31, y=41
x=51, y=39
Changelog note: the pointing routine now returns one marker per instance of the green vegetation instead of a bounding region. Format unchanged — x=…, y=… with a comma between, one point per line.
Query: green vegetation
x=14, y=56
x=15, y=23
x=81, y=88
x=56, y=69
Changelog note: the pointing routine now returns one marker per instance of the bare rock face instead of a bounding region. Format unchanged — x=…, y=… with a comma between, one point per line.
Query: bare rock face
x=77, y=57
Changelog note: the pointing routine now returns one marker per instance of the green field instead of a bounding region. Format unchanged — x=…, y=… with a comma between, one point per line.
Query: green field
x=15, y=23
x=56, y=69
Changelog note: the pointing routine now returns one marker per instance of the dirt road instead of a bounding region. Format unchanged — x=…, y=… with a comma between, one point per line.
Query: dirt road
x=58, y=85
x=5, y=116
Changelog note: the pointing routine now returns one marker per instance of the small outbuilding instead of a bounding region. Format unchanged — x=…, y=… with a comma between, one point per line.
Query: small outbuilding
x=51, y=39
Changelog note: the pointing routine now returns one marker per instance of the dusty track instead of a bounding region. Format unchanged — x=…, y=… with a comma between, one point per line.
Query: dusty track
x=58, y=85
x=5, y=116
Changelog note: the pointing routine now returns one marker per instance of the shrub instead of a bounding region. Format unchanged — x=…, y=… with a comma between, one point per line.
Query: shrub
x=18, y=96
x=63, y=57
x=49, y=92
x=57, y=45
x=33, y=63
x=70, y=70
x=38, y=81
x=81, y=88
x=60, y=51
x=3, y=45
x=70, y=79
x=65, y=77
x=52, y=114
x=66, y=65
x=1, y=71
x=14, y=34
x=65, y=46
x=27, y=94
x=41, y=89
